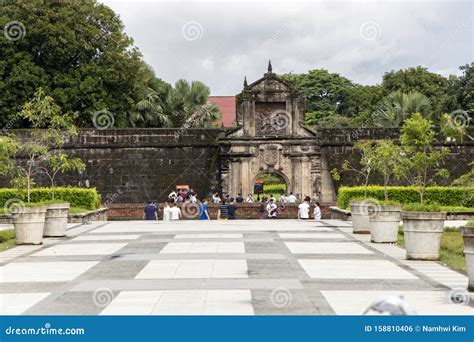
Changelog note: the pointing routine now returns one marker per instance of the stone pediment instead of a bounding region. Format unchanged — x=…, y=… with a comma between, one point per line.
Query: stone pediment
x=270, y=83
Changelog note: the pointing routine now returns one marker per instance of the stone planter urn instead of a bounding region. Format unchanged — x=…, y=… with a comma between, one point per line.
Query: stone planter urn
x=422, y=232
x=360, y=216
x=55, y=224
x=468, y=237
x=29, y=225
x=384, y=223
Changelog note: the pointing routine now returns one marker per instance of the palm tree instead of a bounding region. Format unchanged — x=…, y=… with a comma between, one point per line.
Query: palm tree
x=398, y=106
x=184, y=105
x=151, y=111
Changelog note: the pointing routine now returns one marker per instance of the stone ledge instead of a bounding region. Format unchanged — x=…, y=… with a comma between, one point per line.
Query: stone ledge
x=94, y=215
x=340, y=214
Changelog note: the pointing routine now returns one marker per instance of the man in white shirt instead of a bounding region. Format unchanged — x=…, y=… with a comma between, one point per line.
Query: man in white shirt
x=272, y=209
x=303, y=210
x=291, y=198
x=175, y=212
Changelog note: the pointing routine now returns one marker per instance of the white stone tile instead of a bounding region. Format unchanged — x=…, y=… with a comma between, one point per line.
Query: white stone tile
x=17, y=303
x=209, y=236
x=43, y=271
x=326, y=248
x=81, y=249
x=133, y=303
x=230, y=269
x=203, y=247
x=191, y=269
x=105, y=237
x=353, y=269
x=311, y=236
x=423, y=302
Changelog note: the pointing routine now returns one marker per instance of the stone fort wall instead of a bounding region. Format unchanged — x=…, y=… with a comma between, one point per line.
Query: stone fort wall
x=136, y=165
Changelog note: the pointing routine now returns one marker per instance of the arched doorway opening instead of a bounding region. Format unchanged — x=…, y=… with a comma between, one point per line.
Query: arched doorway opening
x=270, y=184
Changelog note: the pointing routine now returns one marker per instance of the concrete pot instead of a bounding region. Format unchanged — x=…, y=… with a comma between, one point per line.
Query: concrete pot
x=360, y=217
x=422, y=232
x=384, y=222
x=55, y=224
x=29, y=225
x=468, y=236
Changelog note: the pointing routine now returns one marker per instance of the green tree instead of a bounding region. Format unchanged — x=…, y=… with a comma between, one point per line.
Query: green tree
x=50, y=129
x=398, y=106
x=75, y=50
x=434, y=86
x=386, y=158
x=464, y=89
x=421, y=161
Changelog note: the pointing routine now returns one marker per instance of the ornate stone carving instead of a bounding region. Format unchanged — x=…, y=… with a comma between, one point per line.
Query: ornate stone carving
x=270, y=155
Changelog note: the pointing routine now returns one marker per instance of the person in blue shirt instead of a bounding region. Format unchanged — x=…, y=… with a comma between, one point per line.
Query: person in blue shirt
x=150, y=212
x=204, y=212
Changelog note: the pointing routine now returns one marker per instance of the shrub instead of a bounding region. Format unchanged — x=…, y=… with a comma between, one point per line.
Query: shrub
x=434, y=207
x=445, y=196
x=274, y=188
x=77, y=197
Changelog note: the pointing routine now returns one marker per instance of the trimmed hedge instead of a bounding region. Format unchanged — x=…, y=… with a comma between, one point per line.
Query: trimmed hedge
x=274, y=188
x=443, y=195
x=77, y=197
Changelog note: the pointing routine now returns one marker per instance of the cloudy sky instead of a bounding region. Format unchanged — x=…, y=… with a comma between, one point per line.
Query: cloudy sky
x=220, y=42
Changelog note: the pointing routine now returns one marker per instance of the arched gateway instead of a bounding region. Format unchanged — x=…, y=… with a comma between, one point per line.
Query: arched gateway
x=271, y=137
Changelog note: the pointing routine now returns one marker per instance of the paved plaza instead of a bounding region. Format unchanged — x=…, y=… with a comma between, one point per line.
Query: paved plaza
x=242, y=267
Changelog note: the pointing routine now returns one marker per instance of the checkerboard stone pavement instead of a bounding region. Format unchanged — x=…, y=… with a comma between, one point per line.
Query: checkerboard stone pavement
x=242, y=267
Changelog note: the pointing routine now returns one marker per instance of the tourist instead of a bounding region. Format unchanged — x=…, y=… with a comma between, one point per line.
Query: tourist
x=183, y=193
x=149, y=212
x=222, y=212
x=204, y=211
x=292, y=198
x=283, y=199
x=239, y=198
x=272, y=209
x=166, y=211
x=172, y=196
x=249, y=199
x=262, y=213
x=192, y=197
x=231, y=209
x=272, y=198
x=303, y=210
x=175, y=212
x=317, y=212
x=216, y=198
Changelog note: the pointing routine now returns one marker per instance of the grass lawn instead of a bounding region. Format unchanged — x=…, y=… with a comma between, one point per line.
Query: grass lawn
x=7, y=239
x=451, y=252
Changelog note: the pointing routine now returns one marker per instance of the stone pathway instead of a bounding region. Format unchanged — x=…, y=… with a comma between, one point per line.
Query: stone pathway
x=252, y=267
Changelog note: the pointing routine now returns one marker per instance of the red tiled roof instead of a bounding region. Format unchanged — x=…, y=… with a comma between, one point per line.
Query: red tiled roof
x=227, y=106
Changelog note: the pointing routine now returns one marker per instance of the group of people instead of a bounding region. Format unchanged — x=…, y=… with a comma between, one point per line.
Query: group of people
x=227, y=209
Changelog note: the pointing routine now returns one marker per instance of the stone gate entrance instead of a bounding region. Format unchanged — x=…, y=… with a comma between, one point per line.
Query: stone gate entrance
x=271, y=137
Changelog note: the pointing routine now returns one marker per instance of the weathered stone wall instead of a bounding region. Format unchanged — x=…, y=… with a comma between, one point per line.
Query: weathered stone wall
x=136, y=165
x=337, y=146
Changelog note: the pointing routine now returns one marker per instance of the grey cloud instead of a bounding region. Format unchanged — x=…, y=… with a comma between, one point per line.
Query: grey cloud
x=237, y=39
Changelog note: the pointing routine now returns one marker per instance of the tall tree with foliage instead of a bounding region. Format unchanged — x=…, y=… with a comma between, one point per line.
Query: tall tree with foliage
x=434, y=86
x=76, y=51
x=398, y=106
x=185, y=105
x=422, y=161
x=464, y=89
